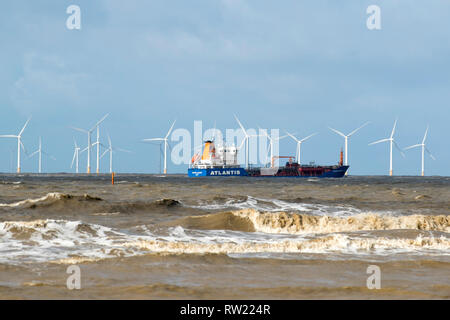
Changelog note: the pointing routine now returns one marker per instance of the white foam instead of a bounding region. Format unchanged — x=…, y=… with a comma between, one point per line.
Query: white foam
x=71, y=241
x=275, y=205
x=50, y=196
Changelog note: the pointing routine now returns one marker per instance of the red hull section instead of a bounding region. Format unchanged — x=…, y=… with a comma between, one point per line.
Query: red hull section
x=296, y=170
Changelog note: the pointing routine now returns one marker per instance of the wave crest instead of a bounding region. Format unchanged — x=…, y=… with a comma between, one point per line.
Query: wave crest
x=63, y=201
x=337, y=242
x=49, y=199
x=249, y=220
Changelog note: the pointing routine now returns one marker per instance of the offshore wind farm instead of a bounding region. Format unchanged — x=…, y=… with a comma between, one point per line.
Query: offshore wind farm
x=241, y=146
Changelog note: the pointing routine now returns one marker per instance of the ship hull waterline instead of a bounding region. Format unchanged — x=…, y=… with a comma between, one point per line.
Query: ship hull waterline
x=325, y=172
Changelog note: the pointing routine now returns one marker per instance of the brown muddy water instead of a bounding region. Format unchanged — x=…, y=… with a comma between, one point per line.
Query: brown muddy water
x=175, y=237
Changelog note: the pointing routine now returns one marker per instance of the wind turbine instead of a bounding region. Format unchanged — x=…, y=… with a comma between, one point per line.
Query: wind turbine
x=271, y=140
x=88, y=169
x=40, y=152
x=19, y=143
x=76, y=153
x=391, y=143
x=299, y=144
x=245, y=140
x=346, y=139
x=111, y=149
x=165, y=141
x=424, y=148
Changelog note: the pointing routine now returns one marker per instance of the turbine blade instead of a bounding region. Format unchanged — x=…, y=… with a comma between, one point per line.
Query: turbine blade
x=31, y=155
x=84, y=150
x=311, y=135
x=354, y=131
x=413, y=146
x=292, y=136
x=398, y=148
x=393, y=129
x=26, y=123
x=379, y=141
x=154, y=139
x=242, y=127
x=122, y=150
x=78, y=129
x=338, y=132
x=425, y=136
x=100, y=121
x=23, y=148
x=432, y=157
x=73, y=158
x=106, y=151
x=242, y=144
x=282, y=137
x=170, y=130
x=8, y=136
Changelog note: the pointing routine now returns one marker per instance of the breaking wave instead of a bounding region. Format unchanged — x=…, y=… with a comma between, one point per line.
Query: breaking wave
x=333, y=243
x=250, y=220
x=274, y=205
x=58, y=201
x=46, y=240
x=48, y=200
x=67, y=242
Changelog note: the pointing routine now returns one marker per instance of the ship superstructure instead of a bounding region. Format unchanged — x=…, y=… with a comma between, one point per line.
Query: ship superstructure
x=216, y=161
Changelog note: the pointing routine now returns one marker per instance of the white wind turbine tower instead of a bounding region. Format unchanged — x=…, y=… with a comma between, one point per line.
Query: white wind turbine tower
x=97, y=143
x=166, y=143
x=39, y=151
x=111, y=149
x=19, y=143
x=245, y=140
x=76, y=153
x=391, y=143
x=424, y=148
x=346, y=139
x=299, y=145
x=271, y=140
x=89, y=132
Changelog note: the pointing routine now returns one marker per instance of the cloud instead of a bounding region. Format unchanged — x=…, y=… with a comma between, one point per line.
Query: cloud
x=45, y=83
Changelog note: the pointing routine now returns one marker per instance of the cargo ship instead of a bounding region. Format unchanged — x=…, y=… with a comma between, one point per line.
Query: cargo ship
x=222, y=161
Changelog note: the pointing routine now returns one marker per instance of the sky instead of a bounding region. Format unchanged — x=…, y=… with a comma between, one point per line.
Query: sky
x=293, y=65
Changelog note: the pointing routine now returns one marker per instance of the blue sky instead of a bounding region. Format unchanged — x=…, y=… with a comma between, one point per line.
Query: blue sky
x=295, y=65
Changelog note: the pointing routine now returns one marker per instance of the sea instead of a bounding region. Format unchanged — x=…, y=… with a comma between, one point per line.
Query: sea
x=174, y=237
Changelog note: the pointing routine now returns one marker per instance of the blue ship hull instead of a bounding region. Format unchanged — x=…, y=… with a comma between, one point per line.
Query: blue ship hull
x=327, y=172
x=217, y=172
